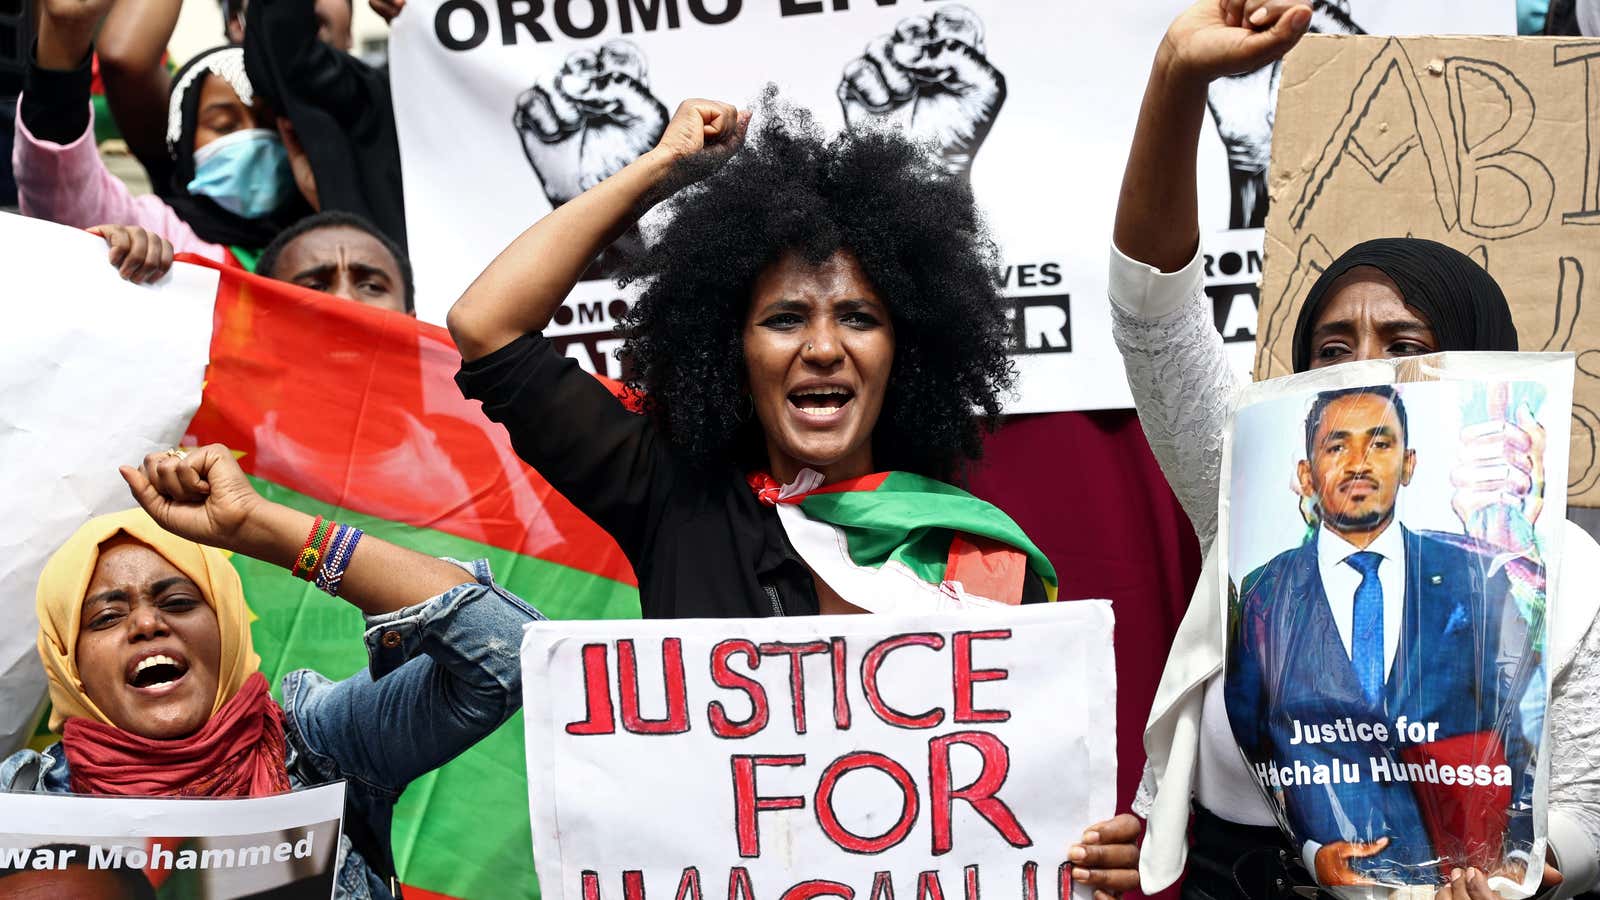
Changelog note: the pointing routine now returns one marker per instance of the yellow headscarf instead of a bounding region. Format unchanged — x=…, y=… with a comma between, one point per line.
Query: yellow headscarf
x=65, y=580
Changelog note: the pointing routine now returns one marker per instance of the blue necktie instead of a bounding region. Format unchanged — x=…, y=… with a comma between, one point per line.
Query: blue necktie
x=1366, y=633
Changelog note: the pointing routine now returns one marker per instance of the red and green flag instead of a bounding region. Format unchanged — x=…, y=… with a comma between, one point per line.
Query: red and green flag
x=352, y=413
x=899, y=542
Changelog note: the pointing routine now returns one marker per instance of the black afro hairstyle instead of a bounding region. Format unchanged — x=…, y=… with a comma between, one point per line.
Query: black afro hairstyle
x=339, y=219
x=918, y=237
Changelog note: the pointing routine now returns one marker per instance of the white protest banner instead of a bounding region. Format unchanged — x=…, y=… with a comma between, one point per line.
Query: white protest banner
x=840, y=756
x=1041, y=129
x=207, y=849
x=90, y=378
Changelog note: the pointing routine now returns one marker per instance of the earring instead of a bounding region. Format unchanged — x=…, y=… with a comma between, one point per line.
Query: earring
x=744, y=408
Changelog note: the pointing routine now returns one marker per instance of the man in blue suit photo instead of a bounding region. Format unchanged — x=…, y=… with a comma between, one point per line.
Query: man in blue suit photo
x=1368, y=652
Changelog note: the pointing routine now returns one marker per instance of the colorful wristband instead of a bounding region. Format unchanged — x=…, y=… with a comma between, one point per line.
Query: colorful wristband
x=309, y=559
x=338, y=559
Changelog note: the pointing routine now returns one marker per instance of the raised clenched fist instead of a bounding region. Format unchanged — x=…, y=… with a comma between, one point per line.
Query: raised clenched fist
x=1242, y=107
x=587, y=121
x=930, y=78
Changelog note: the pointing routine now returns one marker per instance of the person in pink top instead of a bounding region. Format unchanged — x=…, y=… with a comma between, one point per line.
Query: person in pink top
x=236, y=184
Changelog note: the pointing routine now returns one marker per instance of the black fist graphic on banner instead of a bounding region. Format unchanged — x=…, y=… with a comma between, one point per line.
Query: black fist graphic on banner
x=589, y=120
x=586, y=122
x=930, y=78
x=1242, y=107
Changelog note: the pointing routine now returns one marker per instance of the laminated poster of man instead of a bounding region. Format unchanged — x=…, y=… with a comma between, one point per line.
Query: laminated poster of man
x=1376, y=674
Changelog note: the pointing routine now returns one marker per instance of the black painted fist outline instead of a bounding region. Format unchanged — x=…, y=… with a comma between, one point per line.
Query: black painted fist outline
x=1243, y=108
x=587, y=121
x=931, y=79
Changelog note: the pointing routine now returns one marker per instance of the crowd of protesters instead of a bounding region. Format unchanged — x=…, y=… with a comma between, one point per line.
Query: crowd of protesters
x=793, y=326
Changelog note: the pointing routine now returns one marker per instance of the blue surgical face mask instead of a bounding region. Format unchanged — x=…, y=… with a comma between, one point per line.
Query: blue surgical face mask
x=246, y=172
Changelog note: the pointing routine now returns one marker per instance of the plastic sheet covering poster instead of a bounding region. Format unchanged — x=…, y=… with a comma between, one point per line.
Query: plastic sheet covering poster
x=143, y=848
x=928, y=755
x=1389, y=530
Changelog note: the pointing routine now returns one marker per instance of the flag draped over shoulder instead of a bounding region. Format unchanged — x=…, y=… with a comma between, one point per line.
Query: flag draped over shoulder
x=350, y=412
x=899, y=542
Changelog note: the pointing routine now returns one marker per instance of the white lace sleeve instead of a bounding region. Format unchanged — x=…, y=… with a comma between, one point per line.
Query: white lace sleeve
x=1179, y=375
x=1574, y=712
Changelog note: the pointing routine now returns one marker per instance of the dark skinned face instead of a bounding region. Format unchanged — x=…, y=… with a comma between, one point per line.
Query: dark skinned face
x=818, y=348
x=346, y=262
x=221, y=113
x=1364, y=318
x=149, y=647
x=1358, y=463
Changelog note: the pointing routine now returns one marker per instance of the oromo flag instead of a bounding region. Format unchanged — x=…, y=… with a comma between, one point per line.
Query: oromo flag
x=334, y=408
x=352, y=413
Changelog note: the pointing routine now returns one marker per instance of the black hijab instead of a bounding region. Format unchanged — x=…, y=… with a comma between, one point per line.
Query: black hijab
x=1454, y=295
x=209, y=220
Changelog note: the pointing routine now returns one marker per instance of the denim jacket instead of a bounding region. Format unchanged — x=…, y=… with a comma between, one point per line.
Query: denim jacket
x=441, y=676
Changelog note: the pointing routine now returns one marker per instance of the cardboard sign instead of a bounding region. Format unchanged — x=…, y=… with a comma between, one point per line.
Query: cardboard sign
x=1387, y=617
x=1490, y=145
x=840, y=756
x=134, y=847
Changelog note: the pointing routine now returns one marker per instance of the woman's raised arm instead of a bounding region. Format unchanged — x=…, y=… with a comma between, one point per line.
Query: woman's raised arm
x=520, y=291
x=204, y=496
x=1157, y=212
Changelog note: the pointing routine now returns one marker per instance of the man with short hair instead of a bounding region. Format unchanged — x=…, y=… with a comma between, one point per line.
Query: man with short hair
x=342, y=254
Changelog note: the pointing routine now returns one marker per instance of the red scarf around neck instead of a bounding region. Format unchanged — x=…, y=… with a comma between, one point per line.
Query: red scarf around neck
x=238, y=753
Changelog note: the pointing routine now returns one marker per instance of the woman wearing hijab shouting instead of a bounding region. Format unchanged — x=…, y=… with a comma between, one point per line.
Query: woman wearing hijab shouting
x=156, y=690
x=235, y=185
x=1381, y=299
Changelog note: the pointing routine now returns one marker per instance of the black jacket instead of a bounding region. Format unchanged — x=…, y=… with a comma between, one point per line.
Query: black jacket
x=701, y=544
x=340, y=107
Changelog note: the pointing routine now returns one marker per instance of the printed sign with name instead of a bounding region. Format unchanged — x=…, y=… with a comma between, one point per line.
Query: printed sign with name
x=139, y=847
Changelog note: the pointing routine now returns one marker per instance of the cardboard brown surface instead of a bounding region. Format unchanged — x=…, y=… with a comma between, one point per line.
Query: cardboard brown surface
x=1488, y=144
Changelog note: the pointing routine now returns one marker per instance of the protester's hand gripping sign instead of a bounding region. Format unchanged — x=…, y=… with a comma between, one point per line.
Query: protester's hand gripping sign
x=139, y=847
x=1390, y=529
x=880, y=756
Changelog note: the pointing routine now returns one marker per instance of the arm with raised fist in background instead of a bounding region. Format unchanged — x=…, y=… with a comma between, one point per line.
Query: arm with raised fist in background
x=932, y=79
x=1179, y=374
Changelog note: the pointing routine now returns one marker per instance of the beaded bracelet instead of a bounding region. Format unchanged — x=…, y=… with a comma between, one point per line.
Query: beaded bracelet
x=338, y=559
x=309, y=558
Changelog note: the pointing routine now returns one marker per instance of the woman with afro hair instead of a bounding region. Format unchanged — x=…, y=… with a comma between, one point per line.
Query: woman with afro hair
x=817, y=347
x=814, y=313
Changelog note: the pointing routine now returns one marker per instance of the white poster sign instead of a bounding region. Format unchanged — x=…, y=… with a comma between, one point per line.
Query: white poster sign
x=70, y=845
x=95, y=372
x=1038, y=116
x=842, y=756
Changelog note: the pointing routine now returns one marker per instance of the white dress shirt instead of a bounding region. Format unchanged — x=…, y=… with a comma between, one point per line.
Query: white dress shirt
x=1340, y=580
